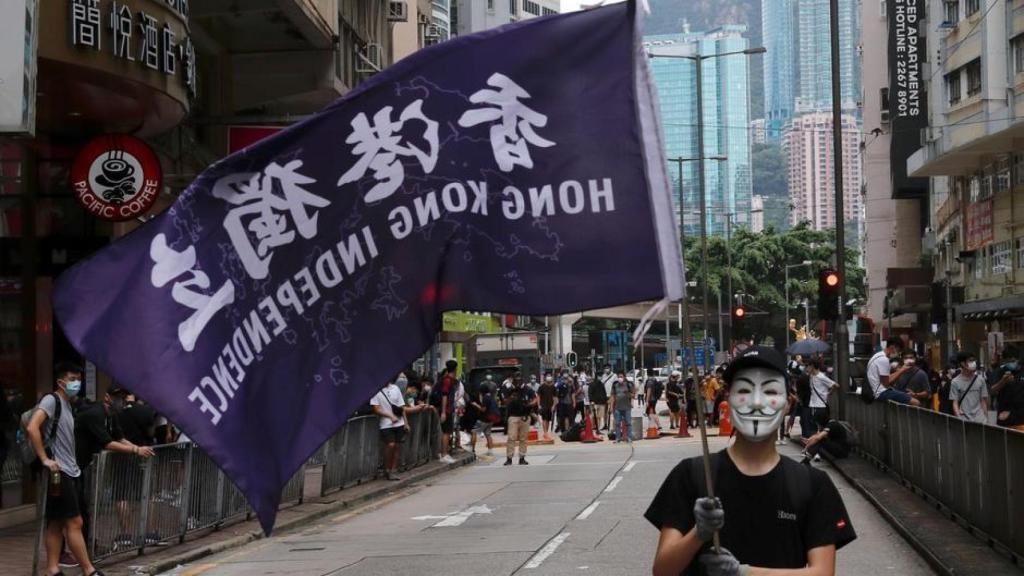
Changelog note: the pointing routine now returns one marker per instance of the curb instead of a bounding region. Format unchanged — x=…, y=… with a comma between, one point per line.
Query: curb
x=920, y=547
x=173, y=562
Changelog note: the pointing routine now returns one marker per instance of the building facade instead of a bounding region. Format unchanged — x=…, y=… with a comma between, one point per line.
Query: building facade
x=973, y=154
x=893, y=226
x=797, y=66
x=478, y=15
x=726, y=94
x=807, y=142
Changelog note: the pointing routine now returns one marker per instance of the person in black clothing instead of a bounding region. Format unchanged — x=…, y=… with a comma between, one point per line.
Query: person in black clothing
x=833, y=439
x=803, y=395
x=674, y=396
x=770, y=513
x=137, y=420
x=1008, y=388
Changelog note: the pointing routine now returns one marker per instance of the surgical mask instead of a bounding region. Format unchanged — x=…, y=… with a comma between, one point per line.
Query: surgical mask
x=908, y=361
x=402, y=382
x=548, y=379
x=1011, y=366
x=72, y=388
x=757, y=401
x=972, y=366
x=622, y=379
x=894, y=364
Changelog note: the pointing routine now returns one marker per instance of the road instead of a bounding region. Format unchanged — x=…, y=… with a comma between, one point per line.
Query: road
x=576, y=509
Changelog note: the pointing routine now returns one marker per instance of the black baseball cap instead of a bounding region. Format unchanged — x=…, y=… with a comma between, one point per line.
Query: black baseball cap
x=756, y=356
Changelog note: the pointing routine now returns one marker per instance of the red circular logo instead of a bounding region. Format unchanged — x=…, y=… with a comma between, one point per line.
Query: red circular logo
x=116, y=177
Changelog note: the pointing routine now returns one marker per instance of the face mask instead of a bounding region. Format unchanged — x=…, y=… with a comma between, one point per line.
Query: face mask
x=606, y=372
x=548, y=379
x=757, y=400
x=426, y=388
x=908, y=361
x=622, y=379
x=972, y=366
x=1011, y=366
x=72, y=388
x=894, y=365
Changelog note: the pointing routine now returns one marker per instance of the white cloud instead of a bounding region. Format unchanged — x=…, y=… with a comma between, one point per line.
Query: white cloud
x=574, y=5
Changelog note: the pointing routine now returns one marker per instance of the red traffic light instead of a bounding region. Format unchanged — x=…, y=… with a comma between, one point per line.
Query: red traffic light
x=832, y=279
x=739, y=312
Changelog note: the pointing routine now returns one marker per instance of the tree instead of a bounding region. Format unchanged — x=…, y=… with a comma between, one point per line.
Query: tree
x=758, y=272
x=771, y=181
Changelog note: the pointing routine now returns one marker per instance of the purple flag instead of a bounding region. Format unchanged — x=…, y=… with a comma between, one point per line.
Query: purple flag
x=518, y=170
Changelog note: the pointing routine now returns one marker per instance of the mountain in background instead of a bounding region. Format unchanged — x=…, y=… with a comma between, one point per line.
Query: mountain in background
x=668, y=16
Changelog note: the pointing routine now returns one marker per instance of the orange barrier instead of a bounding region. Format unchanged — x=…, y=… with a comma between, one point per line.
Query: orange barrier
x=724, y=420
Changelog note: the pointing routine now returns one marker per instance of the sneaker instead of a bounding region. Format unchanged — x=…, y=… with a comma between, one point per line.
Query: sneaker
x=522, y=461
x=508, y=461
x=817, y=457
x=392, y=476
x=67, y=560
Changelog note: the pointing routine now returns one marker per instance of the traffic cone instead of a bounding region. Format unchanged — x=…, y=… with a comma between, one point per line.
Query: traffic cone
x=652, y=430
x=724, y=420
x=684, y=429
x=588, y=435
x=532, y=436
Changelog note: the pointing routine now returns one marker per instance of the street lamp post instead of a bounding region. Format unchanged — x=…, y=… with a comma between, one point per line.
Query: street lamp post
x=698, y=59
x=786, y=319
x=841, y=346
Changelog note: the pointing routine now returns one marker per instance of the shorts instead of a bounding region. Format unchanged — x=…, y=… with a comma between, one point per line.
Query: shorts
x=709, y=406
x=467, y=423
x=69, y=504
x=545, y=413
x=483, y=427
x=652, y=408
x=565, y=410
x=673, y=407
x=894, y=395
x=394, y=435
x=446, y=426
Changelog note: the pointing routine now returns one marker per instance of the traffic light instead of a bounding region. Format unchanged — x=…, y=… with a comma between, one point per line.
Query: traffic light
x=739, y=316
x=828, y=294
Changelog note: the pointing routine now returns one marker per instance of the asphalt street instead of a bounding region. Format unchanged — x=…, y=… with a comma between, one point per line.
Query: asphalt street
x=576, y=509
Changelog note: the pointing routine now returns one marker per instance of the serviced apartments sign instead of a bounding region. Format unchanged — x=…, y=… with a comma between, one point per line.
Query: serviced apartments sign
x=908, y=102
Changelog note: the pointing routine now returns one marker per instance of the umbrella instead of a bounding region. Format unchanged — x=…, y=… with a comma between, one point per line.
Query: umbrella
x=808, y=347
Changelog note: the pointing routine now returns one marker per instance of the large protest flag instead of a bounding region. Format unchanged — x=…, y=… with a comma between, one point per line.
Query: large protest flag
x=518, y=170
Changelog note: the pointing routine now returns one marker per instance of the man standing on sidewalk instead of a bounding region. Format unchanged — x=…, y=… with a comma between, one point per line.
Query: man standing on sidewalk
x=63, y=506
x=389, y=406
x=969, y=391
x=599, y=400
x=622, y=403
x=522, y=401
x=546, y=393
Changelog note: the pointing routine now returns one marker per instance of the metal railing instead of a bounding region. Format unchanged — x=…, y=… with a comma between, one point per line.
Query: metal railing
x=975, y=470
x=135, y=503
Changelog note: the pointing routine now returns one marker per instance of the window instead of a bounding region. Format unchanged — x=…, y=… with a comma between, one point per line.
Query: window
x=1017, y=48
x=531, y=7
x=971, y=7
x=549, y=11
x=490, y=4
x=953, y=87
x=1001, y=257
x=1020, y=252
x=973, y=78
x=952, y=11
x=513, y=8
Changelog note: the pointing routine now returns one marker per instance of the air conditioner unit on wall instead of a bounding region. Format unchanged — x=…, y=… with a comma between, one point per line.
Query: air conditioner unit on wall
x=433, y=31
x=369, y=59
x=398, y=11
x=884, y=116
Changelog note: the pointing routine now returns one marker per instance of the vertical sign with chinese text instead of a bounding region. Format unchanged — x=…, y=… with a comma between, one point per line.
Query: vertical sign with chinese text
x=908, y=99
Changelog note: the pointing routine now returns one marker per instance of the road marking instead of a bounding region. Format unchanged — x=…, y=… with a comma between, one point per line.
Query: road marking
x=546, y=551
x=455, y=518
x=614, y=483
x=629, y=467
x=198, y=570
x=588, y=511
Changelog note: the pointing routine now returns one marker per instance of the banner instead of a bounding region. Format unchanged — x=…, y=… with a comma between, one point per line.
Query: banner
x=908, y=97
x=293, y=279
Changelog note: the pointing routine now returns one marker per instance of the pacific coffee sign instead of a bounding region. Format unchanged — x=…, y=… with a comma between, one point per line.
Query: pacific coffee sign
x=908, y=102
x=116, y=177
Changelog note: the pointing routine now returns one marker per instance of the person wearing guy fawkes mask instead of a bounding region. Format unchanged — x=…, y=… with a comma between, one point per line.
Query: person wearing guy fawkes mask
x=770, y=513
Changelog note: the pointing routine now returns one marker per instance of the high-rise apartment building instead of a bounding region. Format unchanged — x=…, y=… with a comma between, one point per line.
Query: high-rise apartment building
x=476, y=15
x=797, y=66
x=807, y=141
x=726, y=121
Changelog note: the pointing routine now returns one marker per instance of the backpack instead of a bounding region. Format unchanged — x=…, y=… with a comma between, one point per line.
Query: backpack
x=852, y=435
x=28, y=453
x=573, y=434
x=435, y=395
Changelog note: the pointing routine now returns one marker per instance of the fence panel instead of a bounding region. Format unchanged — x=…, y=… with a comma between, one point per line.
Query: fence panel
x=976, y=470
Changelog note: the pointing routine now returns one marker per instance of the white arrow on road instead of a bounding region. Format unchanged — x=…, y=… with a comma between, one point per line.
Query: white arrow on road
x=455, y=518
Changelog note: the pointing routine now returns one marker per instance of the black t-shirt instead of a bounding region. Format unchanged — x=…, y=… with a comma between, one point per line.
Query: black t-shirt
x=1011, y=399
x=653, y=390
x=137, y=421
x=763, y=526
x=803, y=389
x=519, y=400
x=93, y=431
x=547, y=395
x=673, y=387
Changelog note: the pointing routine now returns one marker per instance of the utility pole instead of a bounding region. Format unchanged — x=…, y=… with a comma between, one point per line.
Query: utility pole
x=842, y=351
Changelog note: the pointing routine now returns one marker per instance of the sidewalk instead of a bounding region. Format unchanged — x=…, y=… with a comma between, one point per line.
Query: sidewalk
x=16, y=543
x=946, y=546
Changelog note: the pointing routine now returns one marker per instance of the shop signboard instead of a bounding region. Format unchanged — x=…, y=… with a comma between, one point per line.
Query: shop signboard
x=116, y=177
x=979, y=224
x=18, y=36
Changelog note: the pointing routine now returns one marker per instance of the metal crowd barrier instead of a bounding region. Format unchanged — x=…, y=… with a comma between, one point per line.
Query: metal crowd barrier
x=136, y=503
x=975, y=470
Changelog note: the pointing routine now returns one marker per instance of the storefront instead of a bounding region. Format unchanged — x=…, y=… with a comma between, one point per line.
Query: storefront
x=111, y=77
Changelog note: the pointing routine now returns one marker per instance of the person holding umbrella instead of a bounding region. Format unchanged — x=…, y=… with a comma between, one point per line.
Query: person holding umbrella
x=770, y=513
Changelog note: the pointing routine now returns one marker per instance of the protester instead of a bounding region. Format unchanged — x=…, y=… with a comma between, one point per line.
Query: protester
x=692, y=398
x=546, y=394
x=97, y=429
x=522, y=401
x=580, y=396
x=622, y=395
x=709, y=391
x=599, y=402
x=770, y=513
x=607, y=378
x=565, y=392
x=136, y=419
x=1008, y=389
x=821, y=388
x=676, y=398
x=833, y=438
x=56, y=451
x=653, y=389
x=882, y=377
x=792, y=403
x=913, y=380
x=484, y=402
x=945, y=386
x=969, y=391
x=442, y=397
x=389, y=406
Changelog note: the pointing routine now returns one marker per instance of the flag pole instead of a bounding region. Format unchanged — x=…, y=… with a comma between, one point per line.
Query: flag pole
x=705, y=451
